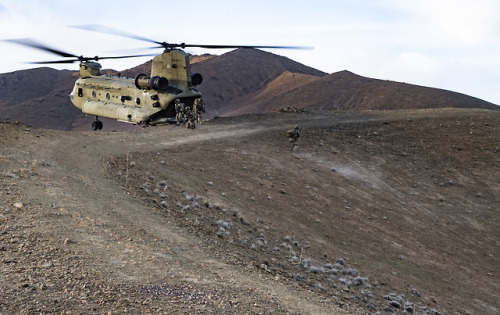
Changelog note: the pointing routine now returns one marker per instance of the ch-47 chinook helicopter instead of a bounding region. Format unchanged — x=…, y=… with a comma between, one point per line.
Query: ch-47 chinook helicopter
x=147, y=99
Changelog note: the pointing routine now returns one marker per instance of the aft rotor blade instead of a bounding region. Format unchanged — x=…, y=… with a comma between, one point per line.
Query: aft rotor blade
x=33, y=44
x=244, y=46
x=82, y=59
x=108, y=30
x=53, y=62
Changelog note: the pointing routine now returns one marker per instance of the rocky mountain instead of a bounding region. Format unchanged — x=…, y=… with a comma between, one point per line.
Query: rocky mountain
x=239, y=82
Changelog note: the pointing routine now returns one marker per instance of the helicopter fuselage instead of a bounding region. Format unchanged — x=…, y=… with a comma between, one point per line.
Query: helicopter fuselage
x=145, y=99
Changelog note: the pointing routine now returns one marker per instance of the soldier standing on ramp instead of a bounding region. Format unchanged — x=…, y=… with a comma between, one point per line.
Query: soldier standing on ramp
x=293, y=136
x=179, y=109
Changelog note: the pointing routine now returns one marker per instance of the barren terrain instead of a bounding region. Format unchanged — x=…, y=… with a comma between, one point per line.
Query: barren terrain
x=391, y=212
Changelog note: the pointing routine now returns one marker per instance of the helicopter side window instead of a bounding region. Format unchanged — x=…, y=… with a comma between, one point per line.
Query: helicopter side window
x=80, y=92
x=107, y=96
x=93, y=94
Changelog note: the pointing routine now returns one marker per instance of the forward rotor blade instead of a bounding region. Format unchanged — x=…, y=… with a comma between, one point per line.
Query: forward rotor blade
x=53, y=62
x=82, y=59
x=33, y=44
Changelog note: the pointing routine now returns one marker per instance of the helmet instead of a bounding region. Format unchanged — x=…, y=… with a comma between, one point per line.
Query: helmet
x=177, y=101
x=296, y=127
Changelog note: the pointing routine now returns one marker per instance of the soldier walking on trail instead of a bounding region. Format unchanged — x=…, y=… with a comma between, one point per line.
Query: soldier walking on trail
x=179, y=110
x=199, y=108
x=293, y=136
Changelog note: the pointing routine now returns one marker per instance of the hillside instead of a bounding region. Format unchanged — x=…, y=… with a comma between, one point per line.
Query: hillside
x=347, y=91
x=384, y=211
x=239, y=82
x=38, y=97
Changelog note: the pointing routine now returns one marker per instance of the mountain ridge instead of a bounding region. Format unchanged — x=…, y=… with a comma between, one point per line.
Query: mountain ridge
x=243, y=81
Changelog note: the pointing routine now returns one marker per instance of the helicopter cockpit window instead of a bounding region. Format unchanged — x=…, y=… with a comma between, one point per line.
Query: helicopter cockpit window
x=80, y=92
x=93, y=94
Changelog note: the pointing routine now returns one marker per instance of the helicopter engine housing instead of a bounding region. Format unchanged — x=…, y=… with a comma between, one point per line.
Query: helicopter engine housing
x=196, y=79
x=144, y=82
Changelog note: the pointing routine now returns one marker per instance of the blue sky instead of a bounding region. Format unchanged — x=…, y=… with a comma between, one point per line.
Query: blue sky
x=448, y=44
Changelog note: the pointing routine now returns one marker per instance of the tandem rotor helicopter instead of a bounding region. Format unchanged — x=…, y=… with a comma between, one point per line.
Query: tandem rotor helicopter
x=147, y=99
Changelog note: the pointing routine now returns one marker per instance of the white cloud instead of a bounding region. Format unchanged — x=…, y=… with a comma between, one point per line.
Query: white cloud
x=462, y=22
x=417, y=64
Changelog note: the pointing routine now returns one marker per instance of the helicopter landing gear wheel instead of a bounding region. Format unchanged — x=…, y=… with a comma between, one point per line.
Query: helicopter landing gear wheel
x=97, y=124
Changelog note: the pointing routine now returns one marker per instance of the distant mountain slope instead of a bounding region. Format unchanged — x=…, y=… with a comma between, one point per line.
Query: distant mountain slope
x=347, y=91
x=38, y=97
x=23, y=85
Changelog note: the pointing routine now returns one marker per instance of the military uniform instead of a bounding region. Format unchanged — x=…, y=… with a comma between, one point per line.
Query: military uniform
x=190, y=118
x=199, y=108
x=293, y=136
x=179, y=110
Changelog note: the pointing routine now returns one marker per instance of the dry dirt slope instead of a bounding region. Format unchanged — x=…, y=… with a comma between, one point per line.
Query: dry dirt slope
x=386, y=211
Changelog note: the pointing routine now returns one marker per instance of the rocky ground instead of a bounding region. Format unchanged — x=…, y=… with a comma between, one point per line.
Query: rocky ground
x=390, y=212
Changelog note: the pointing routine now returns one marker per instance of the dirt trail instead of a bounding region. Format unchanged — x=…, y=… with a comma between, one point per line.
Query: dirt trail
x=61, y=177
